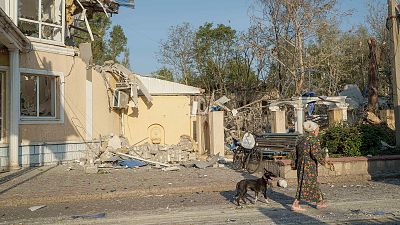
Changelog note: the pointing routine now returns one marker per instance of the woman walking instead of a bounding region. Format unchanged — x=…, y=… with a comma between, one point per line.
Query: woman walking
x=308, y=155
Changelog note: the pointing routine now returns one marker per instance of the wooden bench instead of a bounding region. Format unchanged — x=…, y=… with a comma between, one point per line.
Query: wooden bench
x=277, y=145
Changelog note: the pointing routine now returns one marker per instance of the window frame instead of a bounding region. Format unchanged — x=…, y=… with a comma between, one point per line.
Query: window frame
x=40, y=23
x=60, y=109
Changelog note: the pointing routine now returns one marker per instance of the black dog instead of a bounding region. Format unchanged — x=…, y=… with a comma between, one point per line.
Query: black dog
x=258, y=185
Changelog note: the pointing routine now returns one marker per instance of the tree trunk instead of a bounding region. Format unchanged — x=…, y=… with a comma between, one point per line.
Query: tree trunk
x=300, y=46
x=372, y=77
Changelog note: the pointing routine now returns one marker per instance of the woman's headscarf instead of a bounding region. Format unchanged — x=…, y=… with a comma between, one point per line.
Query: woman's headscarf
x=310, y=126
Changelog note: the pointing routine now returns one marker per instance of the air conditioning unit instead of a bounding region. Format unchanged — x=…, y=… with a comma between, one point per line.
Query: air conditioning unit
x=120, y=100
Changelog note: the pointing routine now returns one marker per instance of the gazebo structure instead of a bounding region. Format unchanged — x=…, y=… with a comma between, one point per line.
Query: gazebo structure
x=337, y=107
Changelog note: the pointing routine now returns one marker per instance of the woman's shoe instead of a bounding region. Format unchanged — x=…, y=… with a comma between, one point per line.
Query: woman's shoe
x=321, y=205
x=297, y=209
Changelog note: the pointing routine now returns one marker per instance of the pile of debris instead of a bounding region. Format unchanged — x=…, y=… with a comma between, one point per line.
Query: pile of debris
x=113, y=151
x=184, y=151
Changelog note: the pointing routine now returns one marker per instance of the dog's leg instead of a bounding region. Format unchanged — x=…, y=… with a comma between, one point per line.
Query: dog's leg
x=237, y=197
x=243, y=196
x=256, y=194
x=240, y=195
x=266, y=197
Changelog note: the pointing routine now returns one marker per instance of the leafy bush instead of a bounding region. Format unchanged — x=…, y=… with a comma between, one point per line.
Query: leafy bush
x=342, y=139
x=372, y=135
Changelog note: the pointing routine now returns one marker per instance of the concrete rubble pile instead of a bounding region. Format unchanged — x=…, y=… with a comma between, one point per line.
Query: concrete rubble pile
x=110, y=149
x=181, y=152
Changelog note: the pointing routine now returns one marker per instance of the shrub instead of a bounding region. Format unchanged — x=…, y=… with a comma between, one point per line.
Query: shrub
x=342, y=139
x=372, y=135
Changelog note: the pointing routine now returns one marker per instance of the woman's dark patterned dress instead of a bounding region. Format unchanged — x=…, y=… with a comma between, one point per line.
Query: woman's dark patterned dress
x=308, y=155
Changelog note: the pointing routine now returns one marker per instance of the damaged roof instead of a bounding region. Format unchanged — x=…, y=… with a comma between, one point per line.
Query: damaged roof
x=162, y=87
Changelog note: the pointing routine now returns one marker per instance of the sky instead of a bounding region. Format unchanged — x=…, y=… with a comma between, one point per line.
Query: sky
x=148, y=24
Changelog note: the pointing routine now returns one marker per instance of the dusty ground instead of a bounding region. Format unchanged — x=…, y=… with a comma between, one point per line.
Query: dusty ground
x=189, y=196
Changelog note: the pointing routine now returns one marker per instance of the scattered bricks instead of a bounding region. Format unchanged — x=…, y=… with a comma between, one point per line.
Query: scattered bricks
x=124, y=142
x=153, y=149
x=147, y=155
x=105, y=156
x=165, y=148
x=123, y=150
x=115, y=142
x=192, y=156
x=91, y=169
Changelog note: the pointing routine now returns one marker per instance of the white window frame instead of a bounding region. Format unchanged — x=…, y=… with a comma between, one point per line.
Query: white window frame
x=46, y=120
x=40, y=23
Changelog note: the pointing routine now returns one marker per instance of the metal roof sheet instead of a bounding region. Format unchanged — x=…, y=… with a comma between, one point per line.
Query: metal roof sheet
x=163, y=87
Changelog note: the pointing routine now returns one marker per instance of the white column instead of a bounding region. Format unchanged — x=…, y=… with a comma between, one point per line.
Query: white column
x=299, y=112
x=216, y=119
x=344, y=107
x=278, y=120
x=14, y=109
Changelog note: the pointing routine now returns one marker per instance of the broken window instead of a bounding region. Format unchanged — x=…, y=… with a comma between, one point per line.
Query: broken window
x=38, y=95
x=41, y=19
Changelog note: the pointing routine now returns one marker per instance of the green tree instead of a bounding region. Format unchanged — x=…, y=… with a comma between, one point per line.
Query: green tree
x=99, y=25
x=213, y=51
x=116, y=43
x=104, y=48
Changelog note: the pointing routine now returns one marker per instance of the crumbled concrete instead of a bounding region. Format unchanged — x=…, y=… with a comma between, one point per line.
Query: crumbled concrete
x=114, y=142
x=91, y=169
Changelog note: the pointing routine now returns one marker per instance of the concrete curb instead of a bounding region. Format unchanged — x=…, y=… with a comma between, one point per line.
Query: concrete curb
x=122, y=194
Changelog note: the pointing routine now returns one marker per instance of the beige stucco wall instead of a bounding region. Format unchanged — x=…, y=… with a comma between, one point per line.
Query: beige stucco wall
x=105, y=121
x=74, y=126
x=171, y=112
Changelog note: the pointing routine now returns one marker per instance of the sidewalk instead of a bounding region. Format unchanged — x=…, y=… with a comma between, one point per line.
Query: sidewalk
x=69, y=183
x=65, y=183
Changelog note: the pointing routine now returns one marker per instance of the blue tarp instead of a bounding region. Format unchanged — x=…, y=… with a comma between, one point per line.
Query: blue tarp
x=311, y=105
x=130, y=163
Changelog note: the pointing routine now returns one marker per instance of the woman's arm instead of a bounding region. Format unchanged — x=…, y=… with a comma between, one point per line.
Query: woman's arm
x=316, y=151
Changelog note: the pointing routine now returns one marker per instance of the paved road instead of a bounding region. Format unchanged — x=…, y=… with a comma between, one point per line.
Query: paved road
x=183, y=197
x=206, y=208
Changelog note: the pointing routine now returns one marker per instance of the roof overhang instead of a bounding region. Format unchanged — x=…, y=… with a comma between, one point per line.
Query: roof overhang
x=11, y=36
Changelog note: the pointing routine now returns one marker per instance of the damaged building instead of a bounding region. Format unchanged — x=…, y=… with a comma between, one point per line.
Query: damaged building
x=55, y=105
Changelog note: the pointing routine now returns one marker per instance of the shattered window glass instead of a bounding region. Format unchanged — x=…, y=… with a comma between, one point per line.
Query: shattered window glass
x=44, y=22
x=29, y=29
x=51, y=33
x=28, y=95
x=47, y=96
x=28, y=9
x=51, y=11
x=38, y=95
